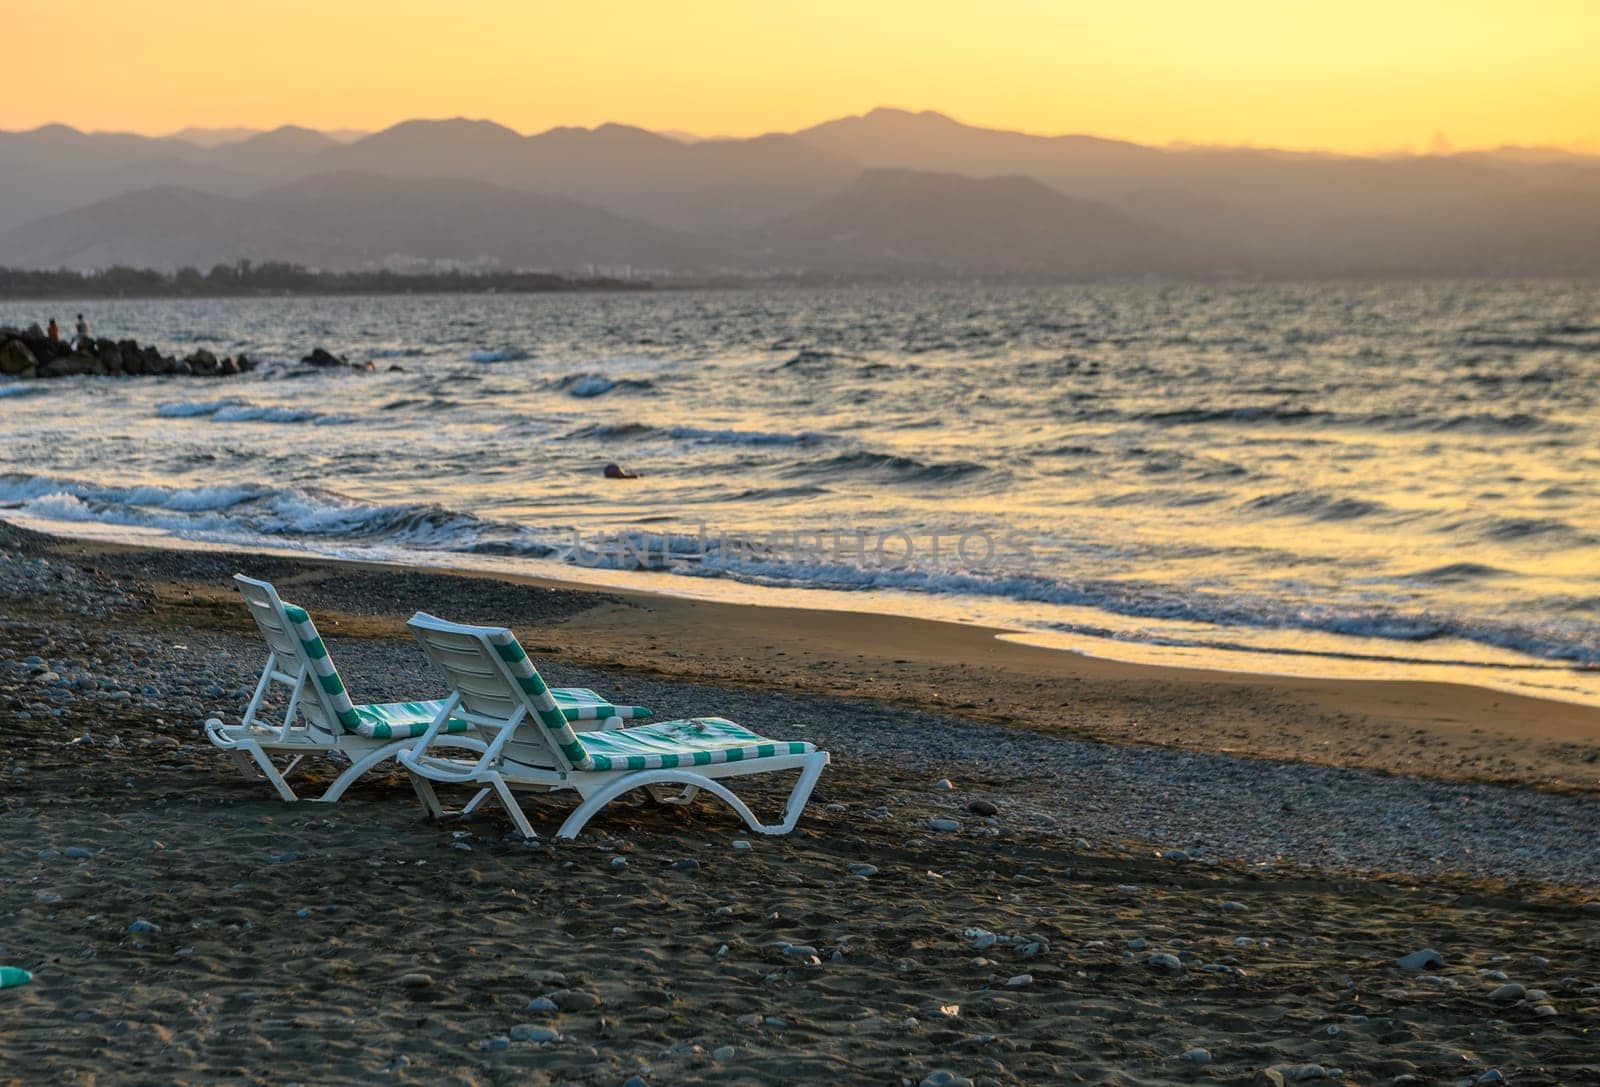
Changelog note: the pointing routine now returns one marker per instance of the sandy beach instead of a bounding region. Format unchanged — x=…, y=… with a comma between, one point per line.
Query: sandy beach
x=1188, y=876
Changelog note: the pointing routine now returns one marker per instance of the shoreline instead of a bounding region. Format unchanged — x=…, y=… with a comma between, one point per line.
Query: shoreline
x=1428, y=729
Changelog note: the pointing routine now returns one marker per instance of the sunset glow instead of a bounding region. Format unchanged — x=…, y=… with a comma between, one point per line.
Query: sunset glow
x=1355, y=76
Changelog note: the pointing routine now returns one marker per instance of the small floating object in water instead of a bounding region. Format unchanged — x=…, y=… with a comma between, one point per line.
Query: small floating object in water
x=616, y=471
x=13, y=975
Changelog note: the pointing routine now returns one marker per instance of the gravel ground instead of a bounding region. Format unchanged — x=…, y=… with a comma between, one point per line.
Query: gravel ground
x=1201, y=806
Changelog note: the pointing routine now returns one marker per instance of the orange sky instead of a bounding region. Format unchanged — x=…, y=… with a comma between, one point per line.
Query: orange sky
x=1356, y=75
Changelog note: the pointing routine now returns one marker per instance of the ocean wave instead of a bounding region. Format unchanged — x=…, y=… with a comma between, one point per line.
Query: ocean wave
x=891, y=466
x=1315, y=505
x=698, y=435
x=590, y=385
x=242, y=411
x=817, y=358
x=10, y=390
x=504, y=354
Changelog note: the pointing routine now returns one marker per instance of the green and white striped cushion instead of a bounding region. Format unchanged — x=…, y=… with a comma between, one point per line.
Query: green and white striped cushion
x=399, y=720
x=404, y=720
x=324, y=674
x=699, y=741
x=552, y=722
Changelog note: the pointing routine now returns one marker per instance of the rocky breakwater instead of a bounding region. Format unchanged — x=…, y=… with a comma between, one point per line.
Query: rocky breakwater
x=29, y=353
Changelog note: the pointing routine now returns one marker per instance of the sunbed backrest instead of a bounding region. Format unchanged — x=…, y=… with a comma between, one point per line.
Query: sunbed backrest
x=487, y=667
x=292, y=636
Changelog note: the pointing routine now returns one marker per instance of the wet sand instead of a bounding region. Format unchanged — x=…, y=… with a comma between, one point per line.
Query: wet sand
x=184, y=927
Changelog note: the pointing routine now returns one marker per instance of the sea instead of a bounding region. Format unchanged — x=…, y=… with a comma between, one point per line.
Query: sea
x=1381, y=480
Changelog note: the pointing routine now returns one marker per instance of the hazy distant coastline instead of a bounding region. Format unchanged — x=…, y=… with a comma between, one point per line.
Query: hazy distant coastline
x=888, y=195
x=246, y=279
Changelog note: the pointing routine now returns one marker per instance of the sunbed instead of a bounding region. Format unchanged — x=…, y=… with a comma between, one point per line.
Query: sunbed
x=320, y=719
x=531, y=745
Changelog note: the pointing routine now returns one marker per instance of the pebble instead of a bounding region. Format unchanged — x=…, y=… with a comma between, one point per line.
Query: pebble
x=724, y=1053
x=528, y=1032
x=142, y=925
x=575, y=1000
x=1491, y=1075
x=1019, y=981
x=943, y=824
x=543, y=1005
x=741, y=845
x=1230, y=906
x=943, y=1077
x=1426, y=959
x=1197, y=1057
x=76, y=853
x=862, y=870
x=944, y=785
x=1508, y=993
x=687, y=864
x=619, y=862
x=416, y=980
x=1592, y=907
x=800, y=951
x=499, y=1041
x=1163, y=961
x=635, y=1081
x=983, y=808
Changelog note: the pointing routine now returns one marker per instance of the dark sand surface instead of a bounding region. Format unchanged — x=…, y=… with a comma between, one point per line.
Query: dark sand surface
x=360, y=943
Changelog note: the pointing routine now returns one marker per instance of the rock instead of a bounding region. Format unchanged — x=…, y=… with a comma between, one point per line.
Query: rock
x=983, y=808
x=15, y=358
x=157, y=363
x=943, y=824
x=1426, y=959
x=73, y=365
x=322, y=357
x=416, y=980
x=575, y=1000
x=635, y=1081
x=528, y=1032
x=1197, y=1057
x=144, y=927
x=867, y=870
x=943, y=1077
x=944, y=785
x=724, y=1053
x=202, y=361
x=499, y=1041
x=619, y=862
x=1509, y=993
x=1230, y=906
x=1491, y=1075
x=1592, y=907
x=110, y=356
x=1163, y=961
x=76, y=853
x=543, y=1005
x=741, y=844
x=1019, y=981
x=687, y=864
x=800, y=951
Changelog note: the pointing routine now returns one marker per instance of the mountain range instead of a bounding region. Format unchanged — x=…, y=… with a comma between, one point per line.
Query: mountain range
x=887, y=193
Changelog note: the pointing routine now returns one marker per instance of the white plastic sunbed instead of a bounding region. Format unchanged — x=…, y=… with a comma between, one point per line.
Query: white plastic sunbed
x=320, y=718
x=532, y=746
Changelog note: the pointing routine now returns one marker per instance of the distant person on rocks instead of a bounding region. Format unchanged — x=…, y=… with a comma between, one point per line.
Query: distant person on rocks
x=54, y=331
x=82, y=338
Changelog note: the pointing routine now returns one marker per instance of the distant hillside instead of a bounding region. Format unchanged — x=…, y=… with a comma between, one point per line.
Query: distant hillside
x=855, y=193
x=343, y=220
x=943, y=224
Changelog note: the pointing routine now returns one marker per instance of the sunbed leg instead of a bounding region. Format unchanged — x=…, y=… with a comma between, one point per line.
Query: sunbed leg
x=800, y=794
x=472, y=805
x=360, y=766
x=508, y=800
x=430, y=799
x=270, y=771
